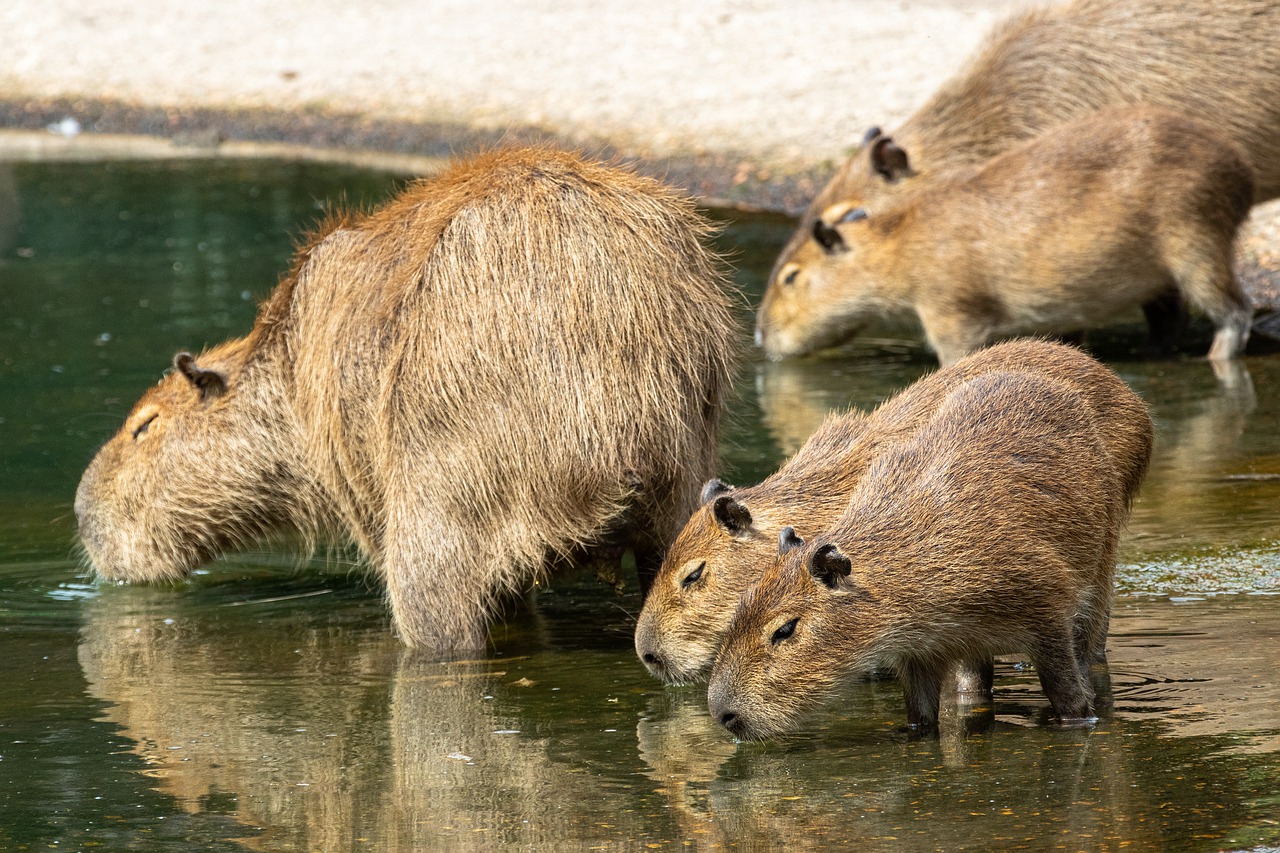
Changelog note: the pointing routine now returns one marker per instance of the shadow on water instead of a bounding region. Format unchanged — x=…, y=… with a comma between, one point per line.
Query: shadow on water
x=264, y=705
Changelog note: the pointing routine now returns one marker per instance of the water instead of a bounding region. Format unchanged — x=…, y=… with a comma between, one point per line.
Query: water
x=263, y=705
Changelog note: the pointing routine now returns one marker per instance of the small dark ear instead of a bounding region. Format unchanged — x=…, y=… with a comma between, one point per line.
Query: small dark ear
x=732, y=515
x=828, y=238
x=829, y=565
x=788, y=540
x=888, y=160
x=711, y=489
x=871, y=135
x=210, y=383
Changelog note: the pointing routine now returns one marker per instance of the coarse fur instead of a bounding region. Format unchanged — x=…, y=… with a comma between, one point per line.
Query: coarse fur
x=993, y=530
x=1061, y=233
x=519, y=361
x=1215, y=60
x=733, y=537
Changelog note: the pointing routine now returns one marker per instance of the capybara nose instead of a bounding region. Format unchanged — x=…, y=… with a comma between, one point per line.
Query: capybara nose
x=728, y=719
x=653, y=661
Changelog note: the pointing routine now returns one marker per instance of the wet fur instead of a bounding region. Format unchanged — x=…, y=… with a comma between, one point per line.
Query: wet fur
x=681, y=627
x=1061, y=233
x=992, y=530
x=519, y=361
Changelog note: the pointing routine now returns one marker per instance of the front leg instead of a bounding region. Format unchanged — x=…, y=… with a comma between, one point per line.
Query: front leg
x=441, y=585
x=953, y=333
x=922, y=689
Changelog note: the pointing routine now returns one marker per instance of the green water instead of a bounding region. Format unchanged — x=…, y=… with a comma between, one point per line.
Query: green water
x=264, y=705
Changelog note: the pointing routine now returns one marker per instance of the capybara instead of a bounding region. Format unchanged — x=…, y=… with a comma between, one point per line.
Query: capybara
x=733, y=537
x=512, y=364
x=992, y=530
x=1061, y=233
x=1216, y=60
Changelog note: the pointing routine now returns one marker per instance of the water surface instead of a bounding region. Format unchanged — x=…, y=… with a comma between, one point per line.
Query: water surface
x=264, y=705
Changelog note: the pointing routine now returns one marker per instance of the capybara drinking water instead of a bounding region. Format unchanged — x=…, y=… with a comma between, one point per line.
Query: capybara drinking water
x=1215, y=60
x=1063, y=232
x=992, y=530
x=733, y=537
x=514, y=363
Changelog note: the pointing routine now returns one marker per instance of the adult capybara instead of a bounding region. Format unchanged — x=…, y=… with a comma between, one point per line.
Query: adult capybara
x=992, y=530
x=517, y=362
x=733, y=537
x=1094, y=217
x=1216, y=60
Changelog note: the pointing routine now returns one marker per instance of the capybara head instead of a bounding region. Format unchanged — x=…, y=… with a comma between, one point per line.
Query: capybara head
x=715, y=556
x=199, y=466
x=829, y=286
x=797, y=625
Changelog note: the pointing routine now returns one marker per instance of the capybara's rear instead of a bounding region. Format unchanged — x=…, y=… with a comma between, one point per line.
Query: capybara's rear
x=993, y=530
x=518, y=362
x=733, y=537
x=1064, y=232
x=1215, y=60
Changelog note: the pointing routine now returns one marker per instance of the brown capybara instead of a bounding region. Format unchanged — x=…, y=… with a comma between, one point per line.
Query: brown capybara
x=1061, y=233
x=519, y=361
x=1215, y=60
x=993, y=530
x=733, y=537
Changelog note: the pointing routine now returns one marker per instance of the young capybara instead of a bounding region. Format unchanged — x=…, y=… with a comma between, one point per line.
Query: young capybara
x=517, y=362
x=733, y=537
x=1215, y=60
x=1094, y=217
x=993, y=530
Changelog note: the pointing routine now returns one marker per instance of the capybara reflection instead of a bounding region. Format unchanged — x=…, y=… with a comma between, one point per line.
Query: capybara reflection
x=733, y=537
x=1061, y=233
x=992, y=530
x=1215, y=60
x=519, y=361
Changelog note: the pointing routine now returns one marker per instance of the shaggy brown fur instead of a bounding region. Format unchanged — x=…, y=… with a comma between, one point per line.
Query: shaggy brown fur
x=1216, y=60
x=730, y=541
x=1061, y=233
x=519, y=360
x=992, y=530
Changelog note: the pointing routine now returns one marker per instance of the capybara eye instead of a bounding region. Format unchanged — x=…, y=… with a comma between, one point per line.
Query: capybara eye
x=784, y=631
x=857, y=214
x=693, y=576
x=790, y=277
x=144, y=426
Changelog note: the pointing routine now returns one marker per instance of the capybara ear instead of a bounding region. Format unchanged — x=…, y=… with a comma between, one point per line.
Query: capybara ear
x=711, y=489
x=788, y=540
x=872, y=134
x=210, y=383
x=732, y=515
x=829, y=565
x=828, y=238
x=888, y=159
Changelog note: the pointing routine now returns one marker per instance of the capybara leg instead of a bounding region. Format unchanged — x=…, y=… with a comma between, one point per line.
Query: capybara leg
x=440, y=596
x=922, y=689
x=1208, y=281
x=975, y=677
x=1058, y=667
x=1166, y=321
x=952, y=336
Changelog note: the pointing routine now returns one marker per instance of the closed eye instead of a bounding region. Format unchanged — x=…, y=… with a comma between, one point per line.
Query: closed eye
x=784, y=631
x=143, y=427
x=693, y=576
x=790, y=277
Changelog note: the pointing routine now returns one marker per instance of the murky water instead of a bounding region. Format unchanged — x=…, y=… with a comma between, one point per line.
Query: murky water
x=265, y=706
